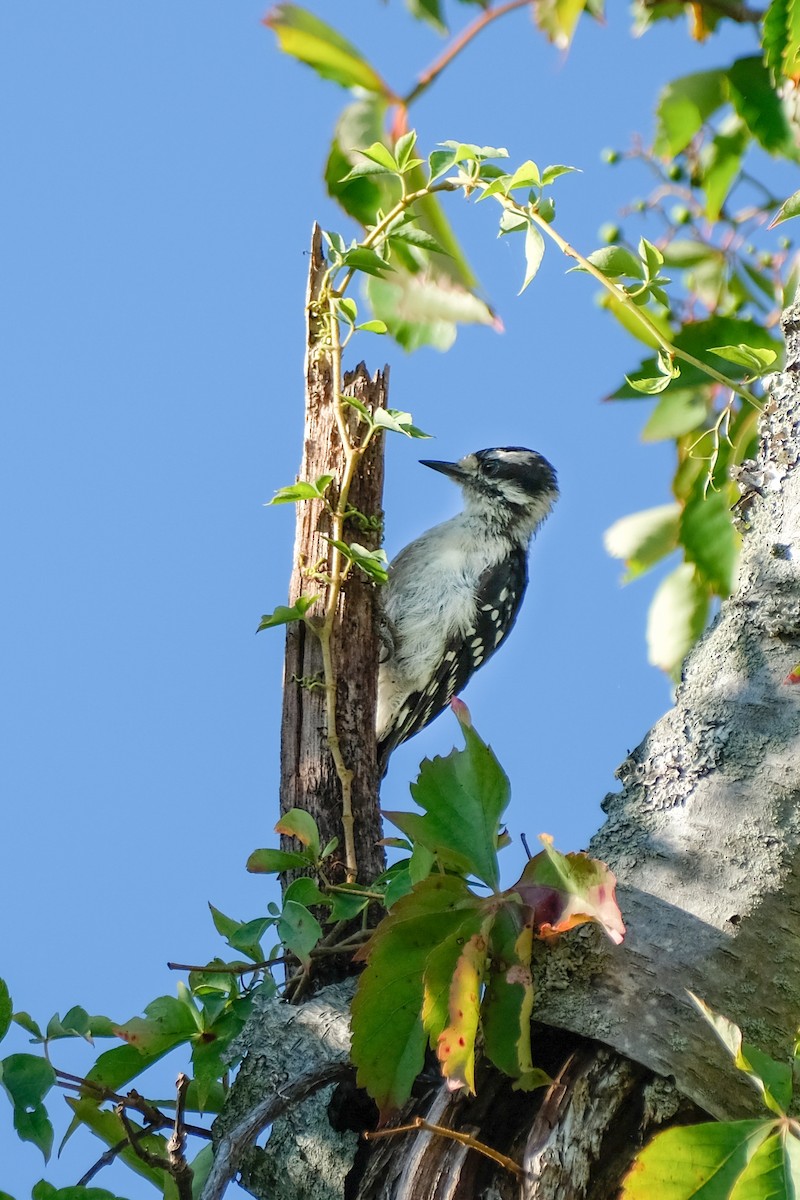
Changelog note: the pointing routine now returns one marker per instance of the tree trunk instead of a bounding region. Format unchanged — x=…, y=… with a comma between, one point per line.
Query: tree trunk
x=308, y=775
x=705, y=841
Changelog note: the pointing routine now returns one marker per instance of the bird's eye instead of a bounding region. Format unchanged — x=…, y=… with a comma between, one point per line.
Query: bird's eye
x=491, y=467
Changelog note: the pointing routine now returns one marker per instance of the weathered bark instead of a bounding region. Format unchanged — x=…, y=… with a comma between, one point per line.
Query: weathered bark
x=705, y=840
x=308, y=775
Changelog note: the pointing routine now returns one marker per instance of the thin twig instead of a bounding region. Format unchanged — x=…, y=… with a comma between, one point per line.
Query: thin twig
x=179, y=1168
x=455, y=1135
x=458, y=44
x=106, y=1159
x=147, y=1156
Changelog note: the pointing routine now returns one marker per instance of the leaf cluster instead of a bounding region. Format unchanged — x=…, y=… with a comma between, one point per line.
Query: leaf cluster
x=745, y=1160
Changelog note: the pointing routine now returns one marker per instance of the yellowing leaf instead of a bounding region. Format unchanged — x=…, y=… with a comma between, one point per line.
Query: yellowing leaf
x=305, y=37
x=456, y=1046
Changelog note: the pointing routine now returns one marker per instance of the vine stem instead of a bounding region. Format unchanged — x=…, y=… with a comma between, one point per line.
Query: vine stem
x=339, y=566
x=458, y=44
x=618, y=294
x=379, y=230
x=466, y=1139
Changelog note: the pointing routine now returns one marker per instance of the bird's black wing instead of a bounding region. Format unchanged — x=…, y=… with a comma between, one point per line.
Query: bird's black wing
x=498, y=598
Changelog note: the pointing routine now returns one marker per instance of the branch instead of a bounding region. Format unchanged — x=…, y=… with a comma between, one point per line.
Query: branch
x=458, y=44
x=232, y=1146
x=455, y=1135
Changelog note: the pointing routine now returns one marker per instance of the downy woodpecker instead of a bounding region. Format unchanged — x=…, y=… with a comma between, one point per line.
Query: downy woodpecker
x=454, y=593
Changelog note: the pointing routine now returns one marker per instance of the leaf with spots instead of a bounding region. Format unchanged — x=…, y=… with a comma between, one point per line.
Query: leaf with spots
x=565, y=890
x=440, y=969
x=389, y=1037
x=456, y=1046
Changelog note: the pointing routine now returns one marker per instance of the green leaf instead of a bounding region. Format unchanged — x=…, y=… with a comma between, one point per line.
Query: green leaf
x=373, y=563
x=283, y=615
x=558, y=19
x=755, y=358
x=643, y=538
x=774, y=1169
x=650, y=385
x=299, y=930
x=553, y=172
x=347, y=903
x=680, y=410
x=424, y=309
x=366, y=260
x=303, y=490
x=709, y=539
x=168, y=1022
x=244, y=936
x=109, y=1128
x=404, y=148
x=417, y=237
x=398, y=422
x=780, y=39
x=45, y=1191
x=300, y=824
x=464, y=796
x=773, y=1080
x=512, y=221
x=722, y=168
x=525, y=176
x=684, y=106
x=677, y=616
x=616, y=261
x=759, y=106
x=361, y=196
x=534, y=253
x=789, y=209
x=508, y=1000
x=388, y=1047
x=267, y=861
x=380, y=154
x=430, y=11
x=26, y=1022
x=6, y=1009
x=305, y=37
x=372, y=327
x=692, y=1160
x=27, y=1079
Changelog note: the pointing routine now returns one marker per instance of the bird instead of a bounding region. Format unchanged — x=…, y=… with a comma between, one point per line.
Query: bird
x=454, y=593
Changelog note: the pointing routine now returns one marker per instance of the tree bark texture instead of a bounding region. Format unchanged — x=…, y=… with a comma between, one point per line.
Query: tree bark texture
x=704, y=838
x=308, y=775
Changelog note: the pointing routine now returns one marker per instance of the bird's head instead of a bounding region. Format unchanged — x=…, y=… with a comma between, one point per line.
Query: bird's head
x=510, y=486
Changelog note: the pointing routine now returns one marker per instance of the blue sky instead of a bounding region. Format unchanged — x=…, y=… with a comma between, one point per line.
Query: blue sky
x=162, y=173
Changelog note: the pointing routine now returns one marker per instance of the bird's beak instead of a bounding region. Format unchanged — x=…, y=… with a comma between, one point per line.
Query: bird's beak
x=452, y=470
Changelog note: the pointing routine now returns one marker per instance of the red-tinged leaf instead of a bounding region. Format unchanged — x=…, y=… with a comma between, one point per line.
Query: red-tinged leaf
x=300, y=824
x=388, y=1047
x=794, y=675
x=567, y=890
x=167, y=1023
x=456, y=1046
